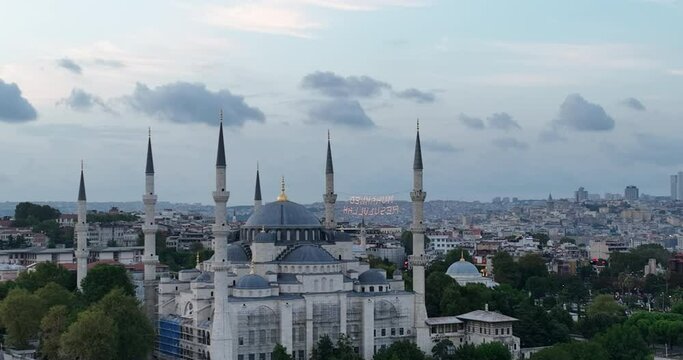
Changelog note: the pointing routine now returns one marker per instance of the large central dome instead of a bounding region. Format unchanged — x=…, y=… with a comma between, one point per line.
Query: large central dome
x=283, y=214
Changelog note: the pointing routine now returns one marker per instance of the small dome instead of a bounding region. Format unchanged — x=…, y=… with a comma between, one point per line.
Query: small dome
x=236, y=253
x=282, y=214
x=462, y=268
x=373, y=276
x=308, y=253
x=252, y=281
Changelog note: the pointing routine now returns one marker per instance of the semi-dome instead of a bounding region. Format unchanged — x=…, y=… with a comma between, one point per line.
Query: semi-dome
x=373, y=276
x=282, y=214
x=462, y=268
x=205, y=277
x=252, y=281
x=236, y=253
x=308, y=253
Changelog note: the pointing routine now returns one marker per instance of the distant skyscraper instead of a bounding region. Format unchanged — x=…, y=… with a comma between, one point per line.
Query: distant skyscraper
x=679, y=187
x=674, y=187
x=580, y=195
x=631, y=193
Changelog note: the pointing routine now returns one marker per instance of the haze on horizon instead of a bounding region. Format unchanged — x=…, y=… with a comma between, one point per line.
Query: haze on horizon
x=516, y=98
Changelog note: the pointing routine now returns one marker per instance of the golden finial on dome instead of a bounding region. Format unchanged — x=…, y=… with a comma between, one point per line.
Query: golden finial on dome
x=282, y=196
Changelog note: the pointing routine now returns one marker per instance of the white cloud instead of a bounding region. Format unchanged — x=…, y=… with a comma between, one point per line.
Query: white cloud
x=563, y=55
x=265, y=17
x=677, y=72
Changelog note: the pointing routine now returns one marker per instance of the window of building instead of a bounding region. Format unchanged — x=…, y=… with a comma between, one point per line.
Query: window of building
x=240, y=340
x=240, y=357
x=384, y=332
x=301, y=354
x=393, y=331
x=262, y=356
x=400, y=331
x=252, y=357
x=496, y=331
x=252, y=336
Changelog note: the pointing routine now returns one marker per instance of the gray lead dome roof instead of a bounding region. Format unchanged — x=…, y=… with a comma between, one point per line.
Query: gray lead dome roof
x=236, y=253
x=282, y=214
x=252, y=281
x=462, y=268
x=308, y=253
x=372, y=276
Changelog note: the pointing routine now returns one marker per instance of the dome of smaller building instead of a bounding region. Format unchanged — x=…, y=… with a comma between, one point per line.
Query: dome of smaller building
x=373, y=276
x=308, y=253
x=252, y=281
x=462, y=268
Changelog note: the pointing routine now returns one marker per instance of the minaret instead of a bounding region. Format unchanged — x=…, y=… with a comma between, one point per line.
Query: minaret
x=257, y=192
x=81, y=235
x=149, y=229
x=329, y=197
x=363, y=234
x=221, y=333
x=418, y=258
x=550, y=204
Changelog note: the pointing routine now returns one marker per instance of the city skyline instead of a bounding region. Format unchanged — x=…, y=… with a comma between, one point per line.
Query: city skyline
x=507, y=107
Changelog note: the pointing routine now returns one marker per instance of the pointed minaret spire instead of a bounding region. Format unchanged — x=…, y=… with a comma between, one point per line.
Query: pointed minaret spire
x=220, y=158
x=329, y=169
x=149, y=169
x=417, y=163
x=81, y=187
x=257, y=191
x=329, y=197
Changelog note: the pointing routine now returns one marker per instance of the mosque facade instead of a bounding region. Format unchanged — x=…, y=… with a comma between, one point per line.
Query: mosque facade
x=284, y=277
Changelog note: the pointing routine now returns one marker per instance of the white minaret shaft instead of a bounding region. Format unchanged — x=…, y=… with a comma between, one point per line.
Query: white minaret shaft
x=149, y=228
x=418, y=259
x=329, y=197
x=221, y=335
x=81, y=235
x=363, y=234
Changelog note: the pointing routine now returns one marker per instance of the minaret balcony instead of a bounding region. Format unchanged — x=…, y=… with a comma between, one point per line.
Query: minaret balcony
x=149, y=199
x=420, y=260
x=221, y=196
x=330, y=198
x=418, y=195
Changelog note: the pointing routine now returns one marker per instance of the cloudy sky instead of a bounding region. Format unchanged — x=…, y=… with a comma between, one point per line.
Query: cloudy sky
x=515, y=98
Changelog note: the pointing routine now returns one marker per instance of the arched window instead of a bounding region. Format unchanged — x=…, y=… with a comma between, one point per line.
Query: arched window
x=316, y=285
x=324, y=284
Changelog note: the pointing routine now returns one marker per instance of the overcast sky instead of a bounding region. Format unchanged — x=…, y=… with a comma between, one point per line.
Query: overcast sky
x=515, y=98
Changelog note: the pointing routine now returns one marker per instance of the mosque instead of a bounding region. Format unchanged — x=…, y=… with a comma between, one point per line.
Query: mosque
x=285, y=277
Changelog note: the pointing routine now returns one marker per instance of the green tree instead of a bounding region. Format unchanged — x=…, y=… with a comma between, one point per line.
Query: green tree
x=493, y=351
x=636, y=259
x=44, y=273
x=624, y=343
x=92, y=337
x=53, y=325
x=103, y=278
x=28, y=214
x=323, y=349
x=443, y=350
x=135, y=334
x=579, y=350
x=280, y=353
x=505, y=269
x=530, y=265
x=20, y=315
x=54, y=294
x=400, y=350
x=435, y=286
x=605, y=304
